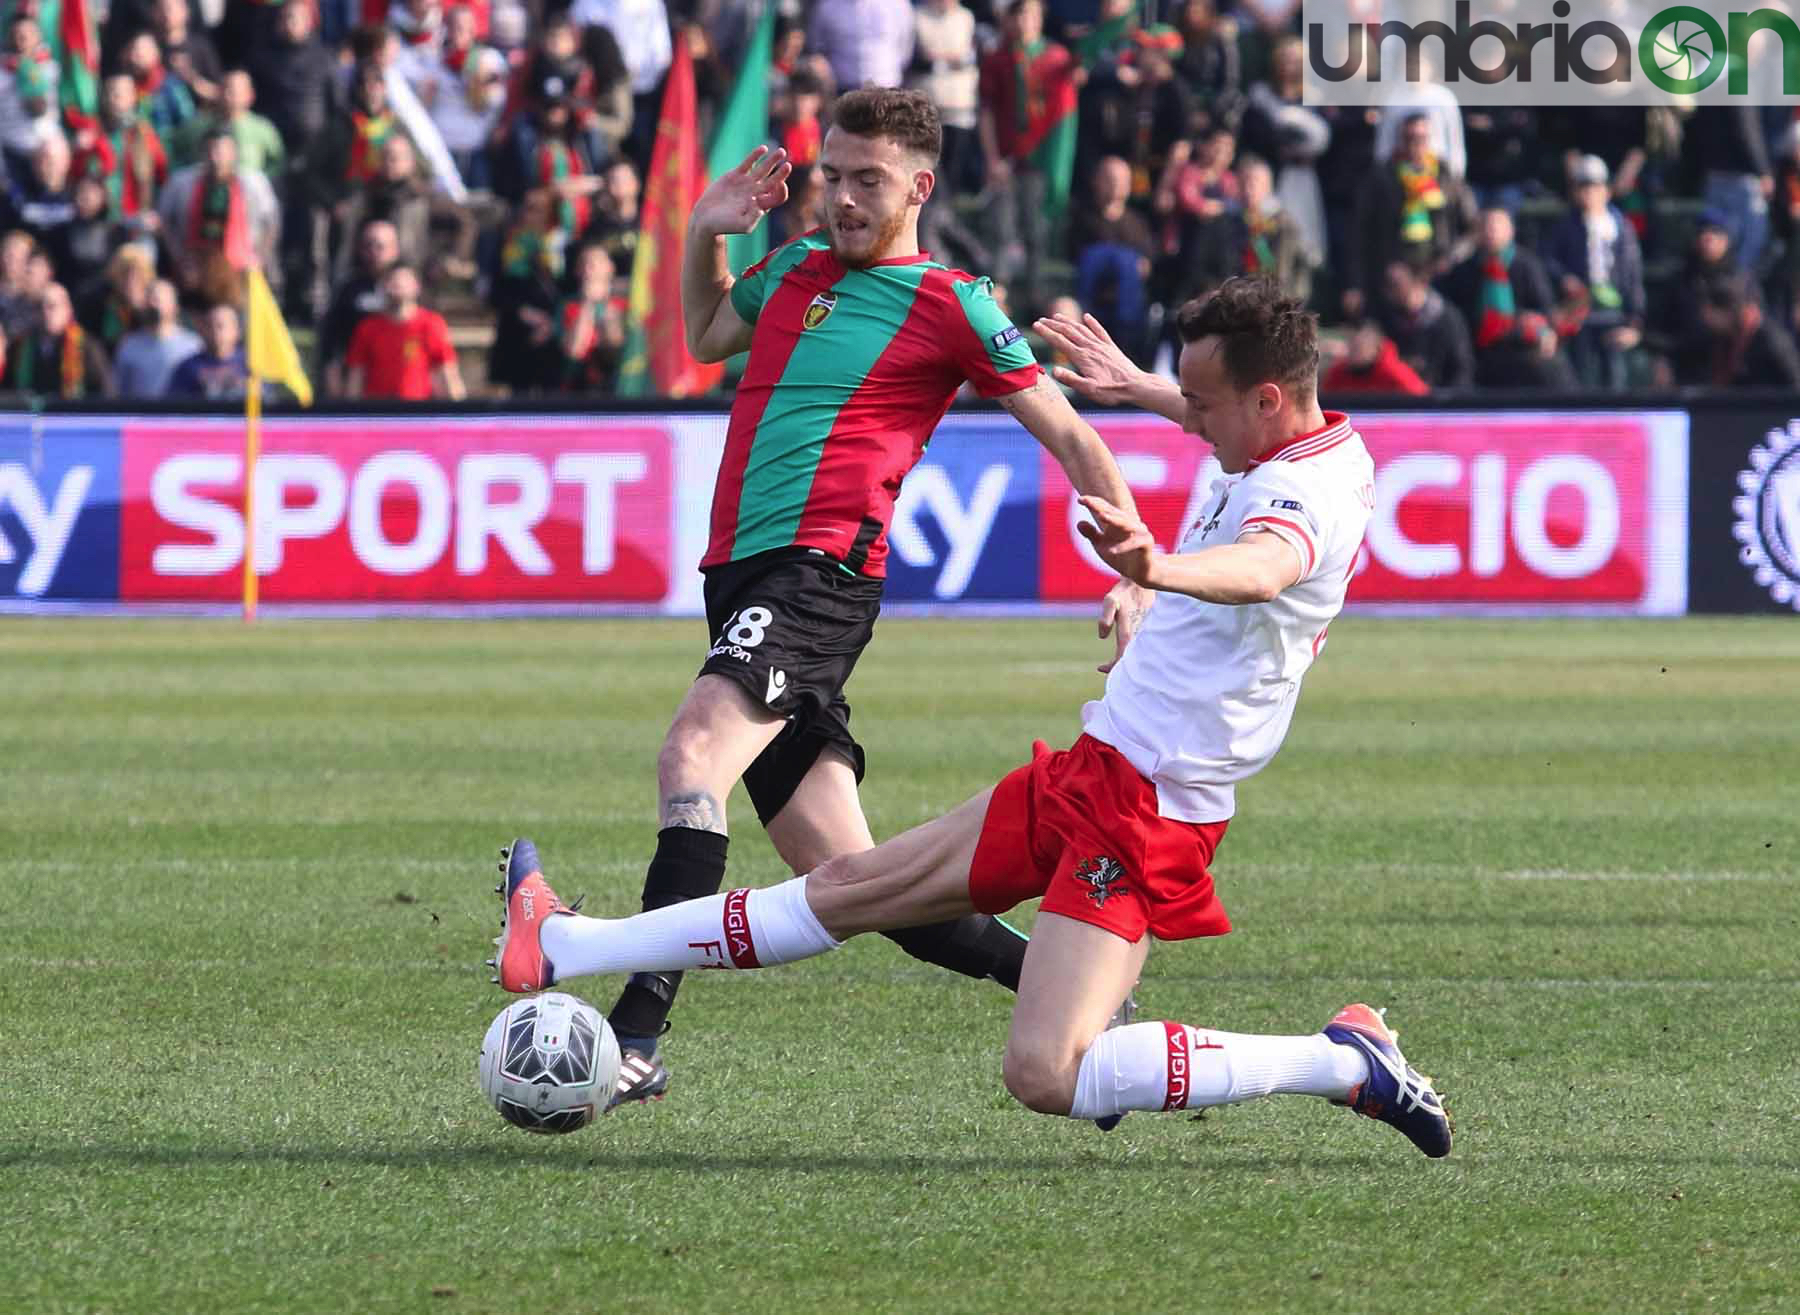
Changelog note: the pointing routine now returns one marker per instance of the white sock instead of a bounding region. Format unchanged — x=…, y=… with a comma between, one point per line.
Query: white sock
x=1170, y=1066
x=736, y=929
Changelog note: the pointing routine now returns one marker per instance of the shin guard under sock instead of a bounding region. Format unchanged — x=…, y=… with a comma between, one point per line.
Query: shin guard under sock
x=975, y=946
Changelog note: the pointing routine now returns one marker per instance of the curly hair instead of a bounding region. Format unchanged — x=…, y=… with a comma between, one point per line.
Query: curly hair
x=906, y=117
x=1266, y=336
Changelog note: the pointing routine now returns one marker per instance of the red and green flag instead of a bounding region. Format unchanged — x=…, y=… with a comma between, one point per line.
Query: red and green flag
x=743, y=126
x=656, y=359
x=68, y=27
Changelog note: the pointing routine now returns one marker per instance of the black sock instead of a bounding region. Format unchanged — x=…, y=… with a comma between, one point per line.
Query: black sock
x=689, y=864
x=975, y=946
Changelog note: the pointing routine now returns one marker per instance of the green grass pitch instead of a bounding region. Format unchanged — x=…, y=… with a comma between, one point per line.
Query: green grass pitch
x=246, y=883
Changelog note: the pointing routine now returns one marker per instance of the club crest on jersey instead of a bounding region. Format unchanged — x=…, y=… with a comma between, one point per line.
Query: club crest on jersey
x=818, y=309
x=1105, y=877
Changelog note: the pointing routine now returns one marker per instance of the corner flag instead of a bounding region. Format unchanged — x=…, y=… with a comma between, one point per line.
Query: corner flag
x=269, y=350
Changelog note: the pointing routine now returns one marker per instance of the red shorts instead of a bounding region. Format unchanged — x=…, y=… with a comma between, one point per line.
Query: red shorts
x=1080, y=828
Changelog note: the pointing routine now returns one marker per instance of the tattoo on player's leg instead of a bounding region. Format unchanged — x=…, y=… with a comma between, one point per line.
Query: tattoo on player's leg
x=694, y=809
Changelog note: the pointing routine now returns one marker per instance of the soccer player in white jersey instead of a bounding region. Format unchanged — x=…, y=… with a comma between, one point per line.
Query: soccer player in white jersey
x=1116, y=833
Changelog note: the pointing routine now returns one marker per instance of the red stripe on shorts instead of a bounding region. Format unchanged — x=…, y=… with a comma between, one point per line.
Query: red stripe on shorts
x=737, y=930
x=1180, y=1069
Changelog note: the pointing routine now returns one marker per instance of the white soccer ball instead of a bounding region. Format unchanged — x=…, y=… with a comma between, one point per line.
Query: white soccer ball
x=549, y=1063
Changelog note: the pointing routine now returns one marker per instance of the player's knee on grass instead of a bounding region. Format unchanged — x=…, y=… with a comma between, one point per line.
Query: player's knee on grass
x=1040, y=1078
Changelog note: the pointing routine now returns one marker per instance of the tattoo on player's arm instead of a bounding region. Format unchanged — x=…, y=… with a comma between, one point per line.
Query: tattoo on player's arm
x=1012, y=402
x=695, y=809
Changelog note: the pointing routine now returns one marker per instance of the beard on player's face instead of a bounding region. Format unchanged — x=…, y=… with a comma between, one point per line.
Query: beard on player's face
x=860, y=238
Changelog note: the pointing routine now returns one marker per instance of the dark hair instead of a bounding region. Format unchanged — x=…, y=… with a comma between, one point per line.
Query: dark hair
x=1266, y=335
x=906, y=117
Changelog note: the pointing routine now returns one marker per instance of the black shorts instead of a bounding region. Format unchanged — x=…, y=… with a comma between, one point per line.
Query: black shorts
x=788, y=626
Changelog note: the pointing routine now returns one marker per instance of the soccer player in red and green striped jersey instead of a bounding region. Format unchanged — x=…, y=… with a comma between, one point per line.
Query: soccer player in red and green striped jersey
x=858, y=342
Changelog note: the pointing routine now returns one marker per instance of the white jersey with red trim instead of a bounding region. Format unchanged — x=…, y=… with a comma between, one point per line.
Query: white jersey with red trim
x=1203, y=695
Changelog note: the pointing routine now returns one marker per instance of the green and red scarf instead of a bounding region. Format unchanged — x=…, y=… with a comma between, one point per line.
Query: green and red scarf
x=557, y=161
x=219, y=219
x=71, y=364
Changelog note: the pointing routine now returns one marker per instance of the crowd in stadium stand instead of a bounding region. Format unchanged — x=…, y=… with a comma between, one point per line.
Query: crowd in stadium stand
x=437, y=187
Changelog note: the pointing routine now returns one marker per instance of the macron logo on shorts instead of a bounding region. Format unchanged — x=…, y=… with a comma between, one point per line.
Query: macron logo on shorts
x=737, y=930
x=1179, y=1070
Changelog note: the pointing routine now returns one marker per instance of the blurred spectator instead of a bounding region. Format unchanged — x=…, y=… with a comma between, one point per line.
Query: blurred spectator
x=1728, y=141
x=28, y=103
x=557, y=72
x=1028, y=88
x=647, y=46
x=1192, y=203
x=1436, y=104
x=1208, y=63
x=403, y=351
x=89, y=240
x=259, y=145
x=148, y=355
x=1291, y=137
x=525, y=293
x=1504, y=293
x=1504, y=154
x=1372, y=364
x=1113, y=248
x=1721, y=338
x=945, y=66
x=420, y=25
x=1139, y=110
x=1413, y=209
x=799, y=131
x=1261, y=237
x=805, y=209
x=463, y=85
x=123, y=152
x=1593, y=258
x=189, y=56
x=293, y=75
x=397, y=195
x=615, y=220
x=57, y=357
x=348, y=154
x=18, y=302
x=218, y=221
x=562, y=163
x=591, y=325
x=611, y=109
x=163, y=99
x=218, y=371
x=41, y=198
x=1428, y=332
x=353, y=300
x=865, y=41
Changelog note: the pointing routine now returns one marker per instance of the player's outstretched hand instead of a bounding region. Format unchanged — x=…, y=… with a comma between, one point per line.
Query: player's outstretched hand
x=1121, y=613
x=737, y=199
x=1123, y=542
x=1097, y=368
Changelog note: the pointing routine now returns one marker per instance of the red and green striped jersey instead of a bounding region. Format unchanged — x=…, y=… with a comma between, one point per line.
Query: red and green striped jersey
x=850, y=371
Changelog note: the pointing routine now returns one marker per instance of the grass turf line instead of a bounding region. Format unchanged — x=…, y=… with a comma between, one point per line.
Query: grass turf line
x=246, y=879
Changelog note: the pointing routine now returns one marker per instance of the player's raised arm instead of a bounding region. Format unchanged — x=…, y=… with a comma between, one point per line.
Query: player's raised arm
x=1101, y=372
x=735, y=202
x=1255, y=569
x=1091, y=468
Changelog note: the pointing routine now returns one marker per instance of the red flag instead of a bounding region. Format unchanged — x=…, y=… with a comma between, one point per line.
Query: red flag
x=656, y=357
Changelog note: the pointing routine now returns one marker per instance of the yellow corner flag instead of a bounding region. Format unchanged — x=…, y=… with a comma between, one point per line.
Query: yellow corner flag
x=271, y=353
